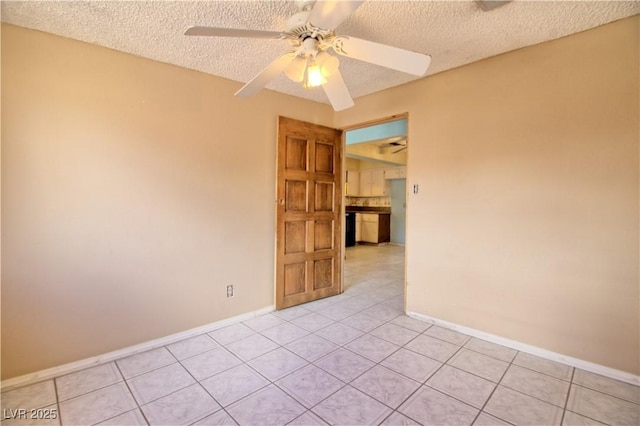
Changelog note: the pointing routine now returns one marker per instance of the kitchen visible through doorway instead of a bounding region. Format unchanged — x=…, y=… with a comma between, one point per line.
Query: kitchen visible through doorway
x=375, y=192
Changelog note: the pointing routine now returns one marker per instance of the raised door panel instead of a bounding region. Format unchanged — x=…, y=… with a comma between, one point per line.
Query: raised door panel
x=296, y=154
x=295, y=237
x=295, y=278
x=324, y=273
x=296, y=195
x=325, y=197
x=323, y=235
x=324, y=157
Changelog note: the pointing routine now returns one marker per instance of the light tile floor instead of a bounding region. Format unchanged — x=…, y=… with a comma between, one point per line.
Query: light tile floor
x=353, y=359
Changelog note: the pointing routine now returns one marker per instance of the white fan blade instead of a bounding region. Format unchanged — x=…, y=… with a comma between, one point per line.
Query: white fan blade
x=258, y=82
x=383, y=55
x=231, y=32
x=329, y=14
x=337, y=92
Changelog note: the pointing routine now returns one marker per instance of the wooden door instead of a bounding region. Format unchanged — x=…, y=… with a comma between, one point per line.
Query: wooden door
x=308, y=213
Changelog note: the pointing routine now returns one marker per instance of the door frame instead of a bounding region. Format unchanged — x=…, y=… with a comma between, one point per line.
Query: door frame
x=369, y=123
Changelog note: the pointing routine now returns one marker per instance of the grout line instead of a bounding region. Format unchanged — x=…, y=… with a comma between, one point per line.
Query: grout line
x=101, y=387
x=270, y=382
x=546, y=374
x=496, y=388
x=424, y=383
x=566, y=400
x=211, y=414
x=138, y=406
x=388, y=416
x=535, y=397
x=485, y=354
x=290, y=394
x=604, y=392
x=343, y=346
x=375, y=364
x=55, y=389
x=144, y=372
x=199, y=382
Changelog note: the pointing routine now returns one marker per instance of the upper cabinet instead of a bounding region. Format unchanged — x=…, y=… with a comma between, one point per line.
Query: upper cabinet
x=395, y=172
x=373, y=183
x=353, y=183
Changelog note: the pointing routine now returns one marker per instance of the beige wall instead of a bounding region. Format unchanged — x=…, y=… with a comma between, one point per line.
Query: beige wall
x=133, y=192
x=526, y=223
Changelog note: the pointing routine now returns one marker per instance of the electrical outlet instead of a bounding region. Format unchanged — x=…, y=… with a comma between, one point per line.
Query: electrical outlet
x=229, y=291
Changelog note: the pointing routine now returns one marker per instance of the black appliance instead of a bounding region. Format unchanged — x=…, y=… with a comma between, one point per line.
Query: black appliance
x=350, y=229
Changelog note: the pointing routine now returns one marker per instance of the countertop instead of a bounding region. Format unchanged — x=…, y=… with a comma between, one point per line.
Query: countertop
x=367, y=209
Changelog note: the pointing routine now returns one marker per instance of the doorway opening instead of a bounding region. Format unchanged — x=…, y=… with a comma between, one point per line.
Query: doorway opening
x=375, y=202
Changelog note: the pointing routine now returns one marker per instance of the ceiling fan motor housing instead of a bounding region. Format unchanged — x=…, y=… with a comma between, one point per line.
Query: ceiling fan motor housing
x=297, y=24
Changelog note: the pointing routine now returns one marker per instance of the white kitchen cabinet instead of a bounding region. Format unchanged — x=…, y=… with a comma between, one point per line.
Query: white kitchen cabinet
x=378, y=183
x=365, y=183
x=373, y=183
x=369, y=228
x=375, y=228
x=395, y=173
x=353, y=183
x=370, y=232
x=358, y=227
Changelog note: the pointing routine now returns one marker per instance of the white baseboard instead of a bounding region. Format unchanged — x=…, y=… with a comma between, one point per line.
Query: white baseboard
x=612, y=373
x=71, y=367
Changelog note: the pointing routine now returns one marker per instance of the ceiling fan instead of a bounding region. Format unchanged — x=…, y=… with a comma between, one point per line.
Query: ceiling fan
x=395, y=142
x=311, y=35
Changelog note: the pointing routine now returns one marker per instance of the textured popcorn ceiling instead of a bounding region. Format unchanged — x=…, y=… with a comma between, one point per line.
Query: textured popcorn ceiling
x=454, y=33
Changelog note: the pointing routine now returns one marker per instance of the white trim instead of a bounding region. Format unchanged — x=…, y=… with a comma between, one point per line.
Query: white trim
x=71, y=367
x=612, y=373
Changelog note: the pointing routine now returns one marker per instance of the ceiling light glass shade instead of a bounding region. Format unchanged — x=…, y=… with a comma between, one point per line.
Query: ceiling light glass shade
x=313, y=76
x=328, y=64
x=295, y=70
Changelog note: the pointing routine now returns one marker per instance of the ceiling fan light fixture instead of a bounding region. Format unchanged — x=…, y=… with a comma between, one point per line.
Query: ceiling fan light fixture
x=312, y=71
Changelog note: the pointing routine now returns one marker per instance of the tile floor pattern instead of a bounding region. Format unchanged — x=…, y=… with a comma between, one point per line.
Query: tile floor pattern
x=353, y=359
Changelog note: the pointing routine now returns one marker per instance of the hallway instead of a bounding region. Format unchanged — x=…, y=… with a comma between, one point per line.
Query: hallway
x=353, y=359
